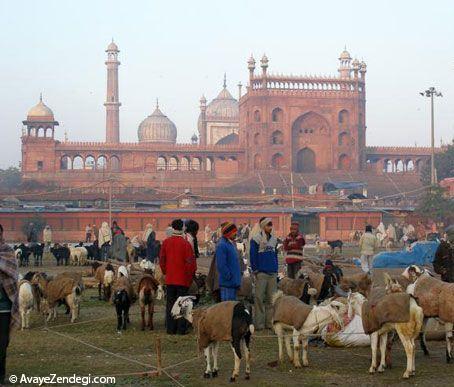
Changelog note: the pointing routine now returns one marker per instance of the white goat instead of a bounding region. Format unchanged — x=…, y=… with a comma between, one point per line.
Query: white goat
x=26, y=301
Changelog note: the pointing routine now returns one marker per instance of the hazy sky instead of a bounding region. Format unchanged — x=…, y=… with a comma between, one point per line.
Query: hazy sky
x=177, y=50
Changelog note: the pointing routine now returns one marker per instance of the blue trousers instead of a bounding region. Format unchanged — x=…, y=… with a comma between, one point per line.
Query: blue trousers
x=228, y=294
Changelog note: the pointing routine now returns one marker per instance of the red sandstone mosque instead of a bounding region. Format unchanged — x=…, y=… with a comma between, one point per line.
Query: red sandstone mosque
x=284, y=130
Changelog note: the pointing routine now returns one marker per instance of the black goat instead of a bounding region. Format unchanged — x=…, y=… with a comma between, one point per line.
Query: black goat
x=37, y=251
x=61, y=254
x=337, y=243
x=122, y=304
x=23, y=254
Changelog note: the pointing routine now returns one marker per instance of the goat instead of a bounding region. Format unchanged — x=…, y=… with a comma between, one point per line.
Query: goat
x=337, y=243
x=37, y=250
x=78, y=255
x=292, y=314
x=61, y=254
x=54, y=290
x=147, y=289
x=105, y=275
x=123, y=297
x=392, y=311
x=22, y=254
x=298, y=287
x=436, y=298
x=26, y=302
x=225, y=321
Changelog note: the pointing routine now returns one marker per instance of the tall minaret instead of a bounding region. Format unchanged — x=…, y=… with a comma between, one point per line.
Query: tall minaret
x=112, y=104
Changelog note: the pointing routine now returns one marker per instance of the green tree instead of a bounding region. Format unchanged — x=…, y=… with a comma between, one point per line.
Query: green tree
x=10, y=178
x=38, y=222
x=436, y=205
x=444, y=164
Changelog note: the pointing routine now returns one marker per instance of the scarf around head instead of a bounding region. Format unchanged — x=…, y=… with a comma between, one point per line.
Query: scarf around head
x=8, y=279
x=264, y=243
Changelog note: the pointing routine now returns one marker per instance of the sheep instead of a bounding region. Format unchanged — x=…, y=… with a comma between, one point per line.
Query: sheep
x=436, y=298
x=360, y=282
x=54, y=290
x=292, y=314
x=26, y=302
x=226, y=321
x=388, y=309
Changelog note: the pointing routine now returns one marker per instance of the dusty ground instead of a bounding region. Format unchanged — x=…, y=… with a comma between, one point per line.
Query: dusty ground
x=63, y=350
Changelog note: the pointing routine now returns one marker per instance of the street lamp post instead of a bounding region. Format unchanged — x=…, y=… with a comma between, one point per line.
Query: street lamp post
x=431, y=92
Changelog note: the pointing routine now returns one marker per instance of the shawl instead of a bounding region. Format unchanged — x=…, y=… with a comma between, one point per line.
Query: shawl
x=8, y=279
x=264, y=243
x=147, y=232
x=105, y=234
x=47, y=235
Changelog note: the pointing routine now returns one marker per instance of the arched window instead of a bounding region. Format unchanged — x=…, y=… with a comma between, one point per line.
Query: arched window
x=114, y=163
x=257, y=116
x=40, y=132
x=184, y=165
x=344, y=162
x=399, y=166
x=277, y=115
x=101, y=163
x=90, y=162
x=277, y=138
x=173, y=164
x=410, y=165
x=209, y=164
x=388, y=166
x=257, y=139
x=65, y=163
x=78, y=162
x=344, y=118
x=342, y=139
x=277, y=161
x=161, y=164
x=196, y=164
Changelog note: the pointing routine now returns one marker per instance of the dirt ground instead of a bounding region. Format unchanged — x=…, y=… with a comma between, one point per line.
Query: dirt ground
x=92, y=346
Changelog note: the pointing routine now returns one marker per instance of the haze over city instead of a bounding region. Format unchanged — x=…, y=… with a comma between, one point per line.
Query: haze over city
x=177, y=50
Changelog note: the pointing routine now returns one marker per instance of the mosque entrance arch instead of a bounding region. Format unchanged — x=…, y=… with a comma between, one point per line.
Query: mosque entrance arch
x=305, y=160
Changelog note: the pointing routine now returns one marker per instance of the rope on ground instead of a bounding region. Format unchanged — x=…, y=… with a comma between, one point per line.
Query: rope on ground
x=116, y=355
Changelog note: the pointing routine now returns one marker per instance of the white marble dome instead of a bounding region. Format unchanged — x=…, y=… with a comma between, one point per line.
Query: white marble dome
x=157, y=128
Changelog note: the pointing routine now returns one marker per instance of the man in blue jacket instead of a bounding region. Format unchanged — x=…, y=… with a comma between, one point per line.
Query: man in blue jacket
x=227, y=263
x=264, y=264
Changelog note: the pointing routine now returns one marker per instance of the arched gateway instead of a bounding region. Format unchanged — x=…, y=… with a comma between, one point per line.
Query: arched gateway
x=305, y=160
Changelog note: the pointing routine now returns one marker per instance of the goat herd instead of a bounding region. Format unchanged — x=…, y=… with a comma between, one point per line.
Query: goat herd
x=401, y=303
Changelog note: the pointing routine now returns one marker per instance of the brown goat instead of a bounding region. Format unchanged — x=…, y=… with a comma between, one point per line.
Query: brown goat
x=147, y=289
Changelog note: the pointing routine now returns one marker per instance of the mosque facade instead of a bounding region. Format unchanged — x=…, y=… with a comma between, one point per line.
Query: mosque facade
x=304, y=128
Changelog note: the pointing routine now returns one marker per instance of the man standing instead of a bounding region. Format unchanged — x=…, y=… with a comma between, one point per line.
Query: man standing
x=227, y=263
x=9, y=303
x=264, y=263
x=178, y=264
x=368, y=244
x=88, y=232
x=293, y=249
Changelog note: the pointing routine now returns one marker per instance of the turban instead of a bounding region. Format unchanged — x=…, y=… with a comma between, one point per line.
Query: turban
x=265, y=222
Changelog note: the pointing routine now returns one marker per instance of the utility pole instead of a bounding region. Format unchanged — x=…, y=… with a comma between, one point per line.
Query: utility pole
x=110, y=202
x=291, y=186
x=431, y=92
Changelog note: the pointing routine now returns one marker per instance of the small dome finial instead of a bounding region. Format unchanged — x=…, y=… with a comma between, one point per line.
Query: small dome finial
x=41, y=97
x=225, y=81
x=157, y=103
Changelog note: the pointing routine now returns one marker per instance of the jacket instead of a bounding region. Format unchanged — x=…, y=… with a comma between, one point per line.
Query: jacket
x=265, y=261
x=293, y=248
x=177, y=261
x=227, y=264
x=368, y=244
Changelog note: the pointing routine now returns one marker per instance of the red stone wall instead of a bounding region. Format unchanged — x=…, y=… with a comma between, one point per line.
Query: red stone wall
x=339, y=225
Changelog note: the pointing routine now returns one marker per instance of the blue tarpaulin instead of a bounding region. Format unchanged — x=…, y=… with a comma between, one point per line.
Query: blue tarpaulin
x=335, y=185
x=419, y=253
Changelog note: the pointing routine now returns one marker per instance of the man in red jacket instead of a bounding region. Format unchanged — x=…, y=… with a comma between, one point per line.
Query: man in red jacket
x=293, y=249
x=178, y=264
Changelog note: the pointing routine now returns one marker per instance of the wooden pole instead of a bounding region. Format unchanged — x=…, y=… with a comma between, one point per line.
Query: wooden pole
x=158, y=355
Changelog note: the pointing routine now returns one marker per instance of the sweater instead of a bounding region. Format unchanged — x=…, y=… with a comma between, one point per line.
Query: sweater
x=368, y=244
x=177, y=261
x=227, y=264
x=265, y=261
x=293, y=248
